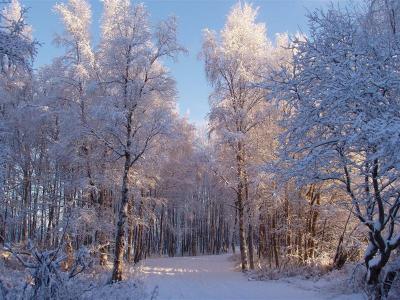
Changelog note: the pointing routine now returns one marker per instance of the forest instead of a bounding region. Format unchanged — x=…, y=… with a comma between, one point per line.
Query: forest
x=297, y=172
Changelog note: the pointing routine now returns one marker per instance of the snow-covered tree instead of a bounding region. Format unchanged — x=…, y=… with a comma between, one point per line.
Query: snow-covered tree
x=16, y=45
x=234, y=64
x=342, y=122
x=72, y=74
x=78, y=61
x=139, y=94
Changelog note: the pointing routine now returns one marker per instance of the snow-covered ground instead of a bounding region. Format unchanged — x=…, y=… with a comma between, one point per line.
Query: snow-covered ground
x=214, y=277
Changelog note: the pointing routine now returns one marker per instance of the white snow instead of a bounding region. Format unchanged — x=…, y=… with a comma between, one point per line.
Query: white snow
x=214, y=277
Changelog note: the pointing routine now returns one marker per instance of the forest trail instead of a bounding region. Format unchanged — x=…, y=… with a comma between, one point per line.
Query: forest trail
x=213, y=277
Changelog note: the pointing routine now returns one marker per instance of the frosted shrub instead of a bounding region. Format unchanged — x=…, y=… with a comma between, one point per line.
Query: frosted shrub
x=47, y=281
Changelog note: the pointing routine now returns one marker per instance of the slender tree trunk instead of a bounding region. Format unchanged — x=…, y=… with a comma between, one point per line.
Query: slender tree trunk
x=130, y=232
x=161, y=241
x=242, y=239
x=274, y=241
x=26, y=195
x=233, y=240
x=123, y=210
x=250, y=226
x=251, y=248
x=139, y=239
x=263, y=239
x=122, y=216
x=240, y=205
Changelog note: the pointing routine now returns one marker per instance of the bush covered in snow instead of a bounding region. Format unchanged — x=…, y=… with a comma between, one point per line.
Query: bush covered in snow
x=40, y=274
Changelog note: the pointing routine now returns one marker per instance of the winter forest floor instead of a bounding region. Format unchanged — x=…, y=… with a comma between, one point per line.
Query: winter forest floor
x=215, y=277
x=208, y=277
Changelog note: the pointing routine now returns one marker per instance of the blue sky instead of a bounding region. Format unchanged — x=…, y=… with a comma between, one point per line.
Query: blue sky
x=193, y=16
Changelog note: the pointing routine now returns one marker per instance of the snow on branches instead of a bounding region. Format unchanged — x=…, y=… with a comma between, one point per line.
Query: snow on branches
x=341, y=95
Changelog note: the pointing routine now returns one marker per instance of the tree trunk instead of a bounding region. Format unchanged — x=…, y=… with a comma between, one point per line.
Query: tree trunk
x=233, y=240
x=139, y=239
x=242, y=239
x=240, y=206
x=161, y=241
x=122, y=216
x=130, y=232
x=274, y=242
x=26, y=195
x=251, y=249
x=374, y=270
x=262, y=239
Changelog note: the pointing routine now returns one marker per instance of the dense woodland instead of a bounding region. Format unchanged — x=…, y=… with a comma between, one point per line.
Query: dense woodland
x=299, y=165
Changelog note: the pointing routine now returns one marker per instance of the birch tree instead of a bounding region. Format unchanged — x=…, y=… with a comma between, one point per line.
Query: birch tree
x=74, y=72
x=139, y=94
x=234, y=62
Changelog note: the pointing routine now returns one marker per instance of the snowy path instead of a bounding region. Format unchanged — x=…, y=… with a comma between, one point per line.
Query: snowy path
x=213, y=278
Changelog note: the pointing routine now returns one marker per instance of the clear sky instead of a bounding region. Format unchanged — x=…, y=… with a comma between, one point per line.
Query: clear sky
x=193, y=16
